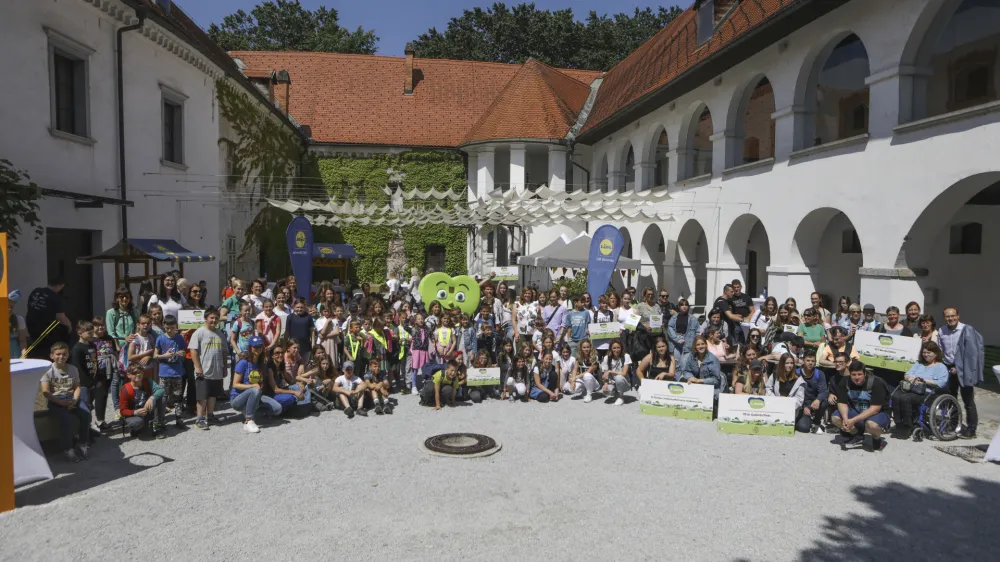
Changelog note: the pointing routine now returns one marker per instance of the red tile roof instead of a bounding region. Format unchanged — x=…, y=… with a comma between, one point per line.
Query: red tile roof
x=670, y=53
x=358, y=99
x=539, y=102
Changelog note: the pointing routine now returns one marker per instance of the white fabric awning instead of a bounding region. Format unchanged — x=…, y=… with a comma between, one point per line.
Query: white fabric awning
x=574, y=254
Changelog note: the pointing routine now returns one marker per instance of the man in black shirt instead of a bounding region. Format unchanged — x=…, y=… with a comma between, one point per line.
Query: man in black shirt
x=45, y=306
x=862, y=399
x=725, y=308
x=741, y=310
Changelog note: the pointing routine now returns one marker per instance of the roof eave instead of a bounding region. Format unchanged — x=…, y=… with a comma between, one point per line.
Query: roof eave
x=525, y=140
x=732, y=54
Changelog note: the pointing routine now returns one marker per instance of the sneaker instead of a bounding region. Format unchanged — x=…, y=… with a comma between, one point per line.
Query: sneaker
x=404, y=391
x=918, y=435
x=83, y=452
x=201, y=424
x=118, y=415
x=378, y=409
x=363, y=412
x=966, y=433
x=881, y=444
x=587, y=399
x=814, y=428
x=102, y=427
x=388, y=408
x=180, y=423
x=619, y=402
x=414, y=391
x=869, y=443
x=251, y=427
x=349, y=412
x=159, y=434
x=830, y=428
x=70, y=456
x=212, y=418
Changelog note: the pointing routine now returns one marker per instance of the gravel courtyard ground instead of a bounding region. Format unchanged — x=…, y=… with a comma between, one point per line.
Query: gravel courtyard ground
x=573, y=481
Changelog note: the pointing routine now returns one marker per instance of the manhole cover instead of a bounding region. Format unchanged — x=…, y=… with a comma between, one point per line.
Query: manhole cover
x=462, y=445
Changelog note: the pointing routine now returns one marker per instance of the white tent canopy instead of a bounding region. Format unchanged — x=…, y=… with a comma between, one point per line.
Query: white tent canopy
x=573, y=254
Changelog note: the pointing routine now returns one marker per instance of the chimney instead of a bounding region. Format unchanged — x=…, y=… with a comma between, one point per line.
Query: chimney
x=285, y=80
x=408, y=70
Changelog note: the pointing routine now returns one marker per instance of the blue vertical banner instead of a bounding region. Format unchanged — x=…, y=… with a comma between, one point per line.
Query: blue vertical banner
x=300, y=248
x=605, y=247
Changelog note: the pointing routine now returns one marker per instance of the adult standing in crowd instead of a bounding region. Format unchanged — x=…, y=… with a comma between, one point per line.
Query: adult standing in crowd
x=45, y=306
x=912, y=317
x=667, y=308
x=122, y=317
x=168, y=297
x=682, y=329
x=964, y=354
x=741, y=310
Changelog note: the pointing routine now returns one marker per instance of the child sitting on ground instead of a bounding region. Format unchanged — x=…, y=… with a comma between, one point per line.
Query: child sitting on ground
x=61, y=387
x=445, y=384
x=377, y=383
x=350, y=391
x=141, y=400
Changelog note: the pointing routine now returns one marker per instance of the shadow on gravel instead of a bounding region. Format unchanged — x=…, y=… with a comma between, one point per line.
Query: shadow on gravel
x=912, y=524
x=106, y=464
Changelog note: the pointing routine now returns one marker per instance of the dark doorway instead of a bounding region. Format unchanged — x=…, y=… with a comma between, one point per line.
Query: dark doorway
x=434, y=258
x=751, y=288
x=62, y=247
x=502, y=255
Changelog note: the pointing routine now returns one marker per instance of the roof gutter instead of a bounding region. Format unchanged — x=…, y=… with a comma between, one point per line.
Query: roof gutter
x=795, y=16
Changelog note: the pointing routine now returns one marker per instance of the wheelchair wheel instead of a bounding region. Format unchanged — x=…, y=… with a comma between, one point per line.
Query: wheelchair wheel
x=945, y=417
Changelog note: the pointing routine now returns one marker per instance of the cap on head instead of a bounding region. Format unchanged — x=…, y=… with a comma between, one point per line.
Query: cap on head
x=756, y=365
x=348, y=365
x=15, y=296
x=870, y=307
x=256, y=341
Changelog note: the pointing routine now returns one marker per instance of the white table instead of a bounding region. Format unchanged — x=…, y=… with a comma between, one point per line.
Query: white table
x=29, y=461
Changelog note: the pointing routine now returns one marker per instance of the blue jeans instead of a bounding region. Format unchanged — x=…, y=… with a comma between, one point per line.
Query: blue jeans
x=65, y=417
x=287, y=401
x=251, y=400
x=881, y=418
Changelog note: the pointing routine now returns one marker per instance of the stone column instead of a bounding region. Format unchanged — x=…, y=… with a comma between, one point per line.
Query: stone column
x=645, y=176
x=616, y=181
x=472, y=175
x=891, y=94
x=484, y=165
x=889, y=286
x=518, y=162
x=788, y=122
x=723, y=151
x=557, y=167
x=785, y=281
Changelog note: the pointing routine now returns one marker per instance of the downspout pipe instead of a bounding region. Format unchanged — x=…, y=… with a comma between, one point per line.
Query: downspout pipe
x=141, y=14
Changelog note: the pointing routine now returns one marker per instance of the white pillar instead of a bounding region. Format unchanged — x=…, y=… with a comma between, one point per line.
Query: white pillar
x=788, y=122
x=472, y=175
x=518, y=161
x=723, y=151
x=897, y=286
x=484, y=166
x=891, y=94
x=557, y=167
x=785, y=281
x=645, y=176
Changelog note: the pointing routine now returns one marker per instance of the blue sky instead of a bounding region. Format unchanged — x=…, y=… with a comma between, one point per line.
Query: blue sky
x=399, y=21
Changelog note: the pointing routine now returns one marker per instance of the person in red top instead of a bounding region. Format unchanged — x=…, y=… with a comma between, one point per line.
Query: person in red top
x=140, y=400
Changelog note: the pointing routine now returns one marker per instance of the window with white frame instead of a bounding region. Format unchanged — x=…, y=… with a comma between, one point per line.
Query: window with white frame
x=172, y=113
x=68, y=85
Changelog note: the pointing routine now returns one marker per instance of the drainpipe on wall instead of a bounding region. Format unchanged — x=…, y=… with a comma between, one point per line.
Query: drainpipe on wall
x=141, y=14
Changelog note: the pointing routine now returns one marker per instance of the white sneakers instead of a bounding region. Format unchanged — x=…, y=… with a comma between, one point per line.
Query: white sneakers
x=619, y=402
x=587, y=399
x=251, y=427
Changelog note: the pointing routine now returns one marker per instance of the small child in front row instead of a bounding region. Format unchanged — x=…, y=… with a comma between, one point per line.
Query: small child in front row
x=419, y=350
x=350, y=391
x=61, y=388
x=377, y=383
x=141, y=400
x=169, y=354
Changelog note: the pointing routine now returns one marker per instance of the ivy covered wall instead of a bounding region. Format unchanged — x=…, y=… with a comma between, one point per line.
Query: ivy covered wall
x=361, y=177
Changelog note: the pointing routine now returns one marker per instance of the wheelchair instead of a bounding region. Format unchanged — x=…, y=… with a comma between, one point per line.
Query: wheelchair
x=939, y=415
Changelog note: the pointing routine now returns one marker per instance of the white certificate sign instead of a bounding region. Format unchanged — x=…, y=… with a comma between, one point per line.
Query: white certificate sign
x=190, y=319
x=887, y=351
x=632, y=322
x=756, y=415
x=656, y=323
x=483, y=377
x=790, y=328
x=510, y=273
x=604, y=331
x=676, y=399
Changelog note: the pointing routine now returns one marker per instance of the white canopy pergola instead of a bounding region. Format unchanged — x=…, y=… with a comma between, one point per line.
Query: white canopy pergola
x=573, y=254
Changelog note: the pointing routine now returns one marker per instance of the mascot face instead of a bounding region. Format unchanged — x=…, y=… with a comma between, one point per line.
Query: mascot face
x=460, y=292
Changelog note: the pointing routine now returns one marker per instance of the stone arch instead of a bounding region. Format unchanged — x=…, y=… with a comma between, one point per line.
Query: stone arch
x=831, y=88
x=686, y=262
x=653, y=258
x=657, y=153
x=829, y=247
x=748, y=246
x=627, y=157
x=953, y=54
x=695, y=142
x=749, y=119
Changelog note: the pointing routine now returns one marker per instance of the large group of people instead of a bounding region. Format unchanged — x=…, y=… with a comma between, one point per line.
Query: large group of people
x=354, y=350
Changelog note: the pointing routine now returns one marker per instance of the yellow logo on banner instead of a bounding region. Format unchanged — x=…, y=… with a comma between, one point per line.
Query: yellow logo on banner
x=325, y=251
x=606, y=247
x=300, y=239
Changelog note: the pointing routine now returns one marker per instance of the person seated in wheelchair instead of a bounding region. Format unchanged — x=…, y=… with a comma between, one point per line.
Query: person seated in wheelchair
x=862, y=399
x=926, y=377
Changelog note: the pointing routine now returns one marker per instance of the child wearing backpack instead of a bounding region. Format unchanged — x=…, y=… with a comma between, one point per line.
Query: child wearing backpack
x=817, y=392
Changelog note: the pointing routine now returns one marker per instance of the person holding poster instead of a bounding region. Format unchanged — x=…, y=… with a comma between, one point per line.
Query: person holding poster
x=603, y=315
x=701, y=367
x=583, y=379
x=615, y=376
x=658, y=365
x=786, y=382
x=861, y=399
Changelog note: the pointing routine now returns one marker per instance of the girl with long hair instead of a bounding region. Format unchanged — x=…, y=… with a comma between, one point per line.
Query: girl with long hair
x=615, y=372
x=121, y=318
x=658, y=365
x=701, y=366
x=249, y=385
x=785, y=381
x=583, y=379
x=168, y=297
